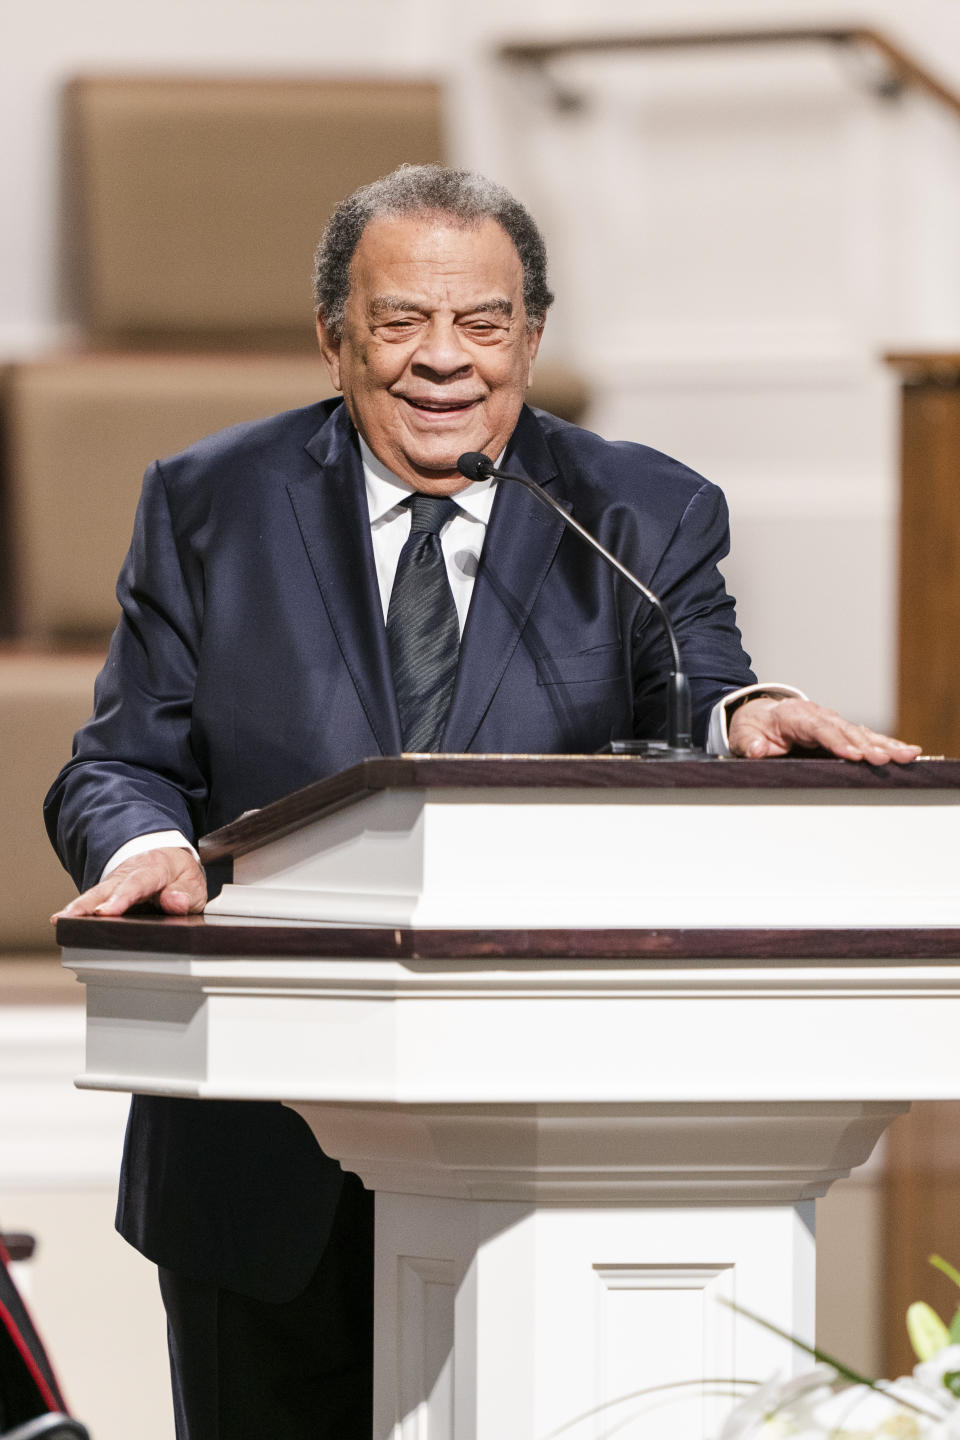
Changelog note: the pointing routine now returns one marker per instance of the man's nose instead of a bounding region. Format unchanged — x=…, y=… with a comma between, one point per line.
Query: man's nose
x=441, y=348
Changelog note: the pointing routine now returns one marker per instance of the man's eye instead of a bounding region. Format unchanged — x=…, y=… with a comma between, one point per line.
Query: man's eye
x=399, y=325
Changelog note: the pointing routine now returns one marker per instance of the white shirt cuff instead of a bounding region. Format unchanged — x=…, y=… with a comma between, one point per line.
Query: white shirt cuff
x=718, y=740
x=155, y=840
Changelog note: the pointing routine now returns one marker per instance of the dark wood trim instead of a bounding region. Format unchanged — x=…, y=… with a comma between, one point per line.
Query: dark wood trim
x=302, y=807
x=921, y=1206
x=906, y=69
x=557, y=772
x=926, y=367
x=196, y=935
x=928, y=685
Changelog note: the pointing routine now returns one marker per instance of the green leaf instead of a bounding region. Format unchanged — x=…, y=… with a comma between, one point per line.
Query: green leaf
x=927, y=1332
x=821, y=1355
x=938, y=1262
x=955, y=1328
x=952, y=1381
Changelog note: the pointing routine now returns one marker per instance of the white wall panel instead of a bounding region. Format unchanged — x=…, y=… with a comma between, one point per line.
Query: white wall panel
x=806, y=454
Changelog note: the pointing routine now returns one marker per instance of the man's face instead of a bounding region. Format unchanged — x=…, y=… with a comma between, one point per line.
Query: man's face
x=435, y=354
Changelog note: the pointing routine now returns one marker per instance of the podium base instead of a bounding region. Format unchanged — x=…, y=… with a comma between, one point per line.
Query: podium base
x=495, y=1321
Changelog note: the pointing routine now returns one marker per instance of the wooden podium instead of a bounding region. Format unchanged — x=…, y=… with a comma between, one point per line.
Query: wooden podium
x=597, y=1031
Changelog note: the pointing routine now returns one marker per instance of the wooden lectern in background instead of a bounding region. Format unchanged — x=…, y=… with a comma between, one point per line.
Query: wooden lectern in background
x=596, y=1030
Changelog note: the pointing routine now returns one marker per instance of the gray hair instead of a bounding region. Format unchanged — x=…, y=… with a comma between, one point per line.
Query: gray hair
x=463, y=195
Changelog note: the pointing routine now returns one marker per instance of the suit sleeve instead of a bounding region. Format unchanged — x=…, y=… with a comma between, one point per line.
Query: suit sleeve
x=133, y=768
x=687, y=579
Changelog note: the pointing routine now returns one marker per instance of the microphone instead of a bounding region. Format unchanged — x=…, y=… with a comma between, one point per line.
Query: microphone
x=474, y=465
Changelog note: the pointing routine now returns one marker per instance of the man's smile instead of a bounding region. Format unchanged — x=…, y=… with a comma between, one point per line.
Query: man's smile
x=438, y=408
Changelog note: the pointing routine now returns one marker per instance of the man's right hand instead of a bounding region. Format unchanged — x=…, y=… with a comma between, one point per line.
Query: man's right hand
x=169, y=878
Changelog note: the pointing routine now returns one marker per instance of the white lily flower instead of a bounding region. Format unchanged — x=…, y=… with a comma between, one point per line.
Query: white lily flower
x=950, y=1428
x=749, y=1416
x=930, y=1373
x=822, y=1406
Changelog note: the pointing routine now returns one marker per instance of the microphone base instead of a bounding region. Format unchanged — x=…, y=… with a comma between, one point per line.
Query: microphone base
x=656, y=750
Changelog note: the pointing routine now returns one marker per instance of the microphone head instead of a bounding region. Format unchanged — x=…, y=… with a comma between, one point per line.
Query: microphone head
x=475, y=465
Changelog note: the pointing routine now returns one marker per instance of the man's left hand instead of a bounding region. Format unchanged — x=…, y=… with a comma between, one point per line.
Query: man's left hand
x=768, y=727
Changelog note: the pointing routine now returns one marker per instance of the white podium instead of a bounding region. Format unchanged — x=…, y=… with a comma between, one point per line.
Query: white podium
x=584, y=1133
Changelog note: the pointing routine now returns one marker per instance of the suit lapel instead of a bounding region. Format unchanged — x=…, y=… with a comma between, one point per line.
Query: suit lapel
x=519, y=546
x=331, y=509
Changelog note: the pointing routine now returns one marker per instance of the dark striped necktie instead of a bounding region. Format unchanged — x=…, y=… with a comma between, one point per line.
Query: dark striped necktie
x=423, y=633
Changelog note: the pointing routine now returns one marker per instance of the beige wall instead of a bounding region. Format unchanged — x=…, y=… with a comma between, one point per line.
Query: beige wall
x=44, y=43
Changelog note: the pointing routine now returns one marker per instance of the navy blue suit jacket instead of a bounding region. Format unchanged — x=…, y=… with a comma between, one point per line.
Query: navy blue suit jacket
x=251, y=659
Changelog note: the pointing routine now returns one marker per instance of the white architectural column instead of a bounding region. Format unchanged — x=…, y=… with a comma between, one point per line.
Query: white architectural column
x=499, y=1321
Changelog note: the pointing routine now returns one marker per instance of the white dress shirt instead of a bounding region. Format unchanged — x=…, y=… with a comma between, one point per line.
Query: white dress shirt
x=461, y=541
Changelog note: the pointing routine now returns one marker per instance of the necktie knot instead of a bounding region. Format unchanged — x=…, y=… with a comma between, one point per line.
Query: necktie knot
x=429, y=513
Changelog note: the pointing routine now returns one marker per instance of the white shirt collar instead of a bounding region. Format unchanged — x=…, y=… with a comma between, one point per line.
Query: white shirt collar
x=385, y=491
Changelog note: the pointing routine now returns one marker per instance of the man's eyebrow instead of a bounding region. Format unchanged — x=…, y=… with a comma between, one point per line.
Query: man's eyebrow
x=499, y=306
x=390, y=304
x=380, y=304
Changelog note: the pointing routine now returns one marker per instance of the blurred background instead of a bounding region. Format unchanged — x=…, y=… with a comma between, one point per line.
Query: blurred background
x=753, y=212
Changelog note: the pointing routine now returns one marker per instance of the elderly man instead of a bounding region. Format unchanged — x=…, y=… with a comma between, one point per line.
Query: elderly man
x=311, y=589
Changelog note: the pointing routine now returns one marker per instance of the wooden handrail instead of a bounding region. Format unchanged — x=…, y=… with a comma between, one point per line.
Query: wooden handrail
x=906, y=69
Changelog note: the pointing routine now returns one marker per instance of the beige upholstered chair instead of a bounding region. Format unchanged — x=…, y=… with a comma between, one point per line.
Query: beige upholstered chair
x=195, y=203
x=81, y=432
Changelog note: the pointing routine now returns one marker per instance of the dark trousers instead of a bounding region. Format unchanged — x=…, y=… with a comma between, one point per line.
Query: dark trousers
x=245, y=1369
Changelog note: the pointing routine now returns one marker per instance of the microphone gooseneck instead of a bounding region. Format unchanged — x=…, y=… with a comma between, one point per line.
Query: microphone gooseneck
x=474, y=465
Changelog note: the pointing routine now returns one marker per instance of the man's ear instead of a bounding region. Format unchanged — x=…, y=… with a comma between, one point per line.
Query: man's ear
x=533, y=345
x=330, y=350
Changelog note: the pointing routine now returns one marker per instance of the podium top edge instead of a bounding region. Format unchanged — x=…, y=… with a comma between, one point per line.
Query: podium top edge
x=523, y=772
x=196, y=937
